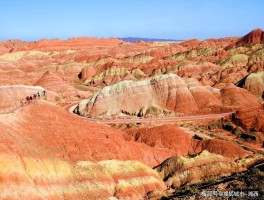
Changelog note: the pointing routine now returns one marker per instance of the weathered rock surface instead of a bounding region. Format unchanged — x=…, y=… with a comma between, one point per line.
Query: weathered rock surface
x=11, y=45
x=238, y=60
x=166, y=92
x=255, y=36
x=250, y=112
x=180, y=170
x=73, y=44
x=255, y=84
x=109, y=61
x=53, y=178
x=196, y=160
x=171, y=137
x=221, y=147
x=48, y=153
x=49, y=127
x=166, y=136
x=51, y=81
x=10, y=96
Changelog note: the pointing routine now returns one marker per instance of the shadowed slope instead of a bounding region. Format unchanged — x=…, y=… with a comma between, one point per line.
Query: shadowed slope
x=52, y=81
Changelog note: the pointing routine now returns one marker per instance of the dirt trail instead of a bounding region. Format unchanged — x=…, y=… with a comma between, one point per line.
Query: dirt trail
x=70, y=108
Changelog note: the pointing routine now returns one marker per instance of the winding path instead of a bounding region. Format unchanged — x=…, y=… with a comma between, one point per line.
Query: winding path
x=142, y=120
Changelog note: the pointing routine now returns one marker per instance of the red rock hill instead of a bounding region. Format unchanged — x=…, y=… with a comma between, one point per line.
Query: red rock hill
x=73, y=44
x=255, y=36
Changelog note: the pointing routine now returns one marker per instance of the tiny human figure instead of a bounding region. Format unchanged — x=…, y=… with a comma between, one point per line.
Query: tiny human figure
x=34, y=96
x=38, y=94
x=45, y=94
x=30, y=98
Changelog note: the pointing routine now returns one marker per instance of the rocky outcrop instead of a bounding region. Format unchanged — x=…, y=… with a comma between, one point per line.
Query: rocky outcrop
x=190, y=43
x=257, y=56
x=73, y=44
x=169, y=94
x=86, y=73
x=53, y=82
x=250, y=113
x=49, y=128
x=257, y=67
x=53, y=178
x=48, y=153
x=15, y=56
x=238, y=60
x=196, y=70
x=255, y=84
x=221, y=147
x=8, y=46
x=107, y=58
x=254, y=37
x=180, y=170
x=228, y=76
x=165, y=136
x=166, y=92
x=194, y=160
x=113, y=75
x=182, y=143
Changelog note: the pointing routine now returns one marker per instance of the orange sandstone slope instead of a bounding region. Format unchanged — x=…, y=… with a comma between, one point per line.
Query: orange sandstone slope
x=12, y=45
x=172, y=137
x=171, y=95
x=215, y=62
x=108, y=61
x=194, y=160
x=179, y=170
x=71, y=44
x=29, y=178
x=165, y=136
x=254, y=37
x=10, y=96
x=49, y=128
x=49, y=153
x=53, y=82
x=151, y=96
x=249, y=110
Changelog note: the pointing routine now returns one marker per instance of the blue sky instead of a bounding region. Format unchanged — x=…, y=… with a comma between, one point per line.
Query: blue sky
x=168, y=19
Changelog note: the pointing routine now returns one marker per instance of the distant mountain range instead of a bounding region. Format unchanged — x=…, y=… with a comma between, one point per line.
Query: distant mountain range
x=135, y=39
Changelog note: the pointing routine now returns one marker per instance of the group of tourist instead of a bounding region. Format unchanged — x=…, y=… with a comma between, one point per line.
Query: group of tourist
x=32, y=98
